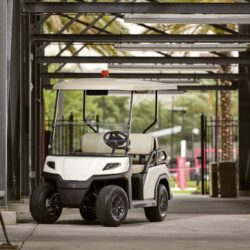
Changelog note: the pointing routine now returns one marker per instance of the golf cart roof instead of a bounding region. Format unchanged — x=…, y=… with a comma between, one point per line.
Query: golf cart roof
x=111, y=84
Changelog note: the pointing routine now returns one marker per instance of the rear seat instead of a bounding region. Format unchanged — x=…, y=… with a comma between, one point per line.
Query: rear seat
x=141, y=146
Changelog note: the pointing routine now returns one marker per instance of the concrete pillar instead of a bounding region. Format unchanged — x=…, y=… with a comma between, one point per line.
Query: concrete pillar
x=3, y=100
x=244, y=122
x=24, y=108
x=14, y=100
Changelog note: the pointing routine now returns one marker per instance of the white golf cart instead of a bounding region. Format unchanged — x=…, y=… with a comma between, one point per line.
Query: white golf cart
x=113, y=171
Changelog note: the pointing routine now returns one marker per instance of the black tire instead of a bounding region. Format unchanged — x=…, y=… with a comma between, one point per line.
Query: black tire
x=159, y=212
x=88, y=214
x=111, y=206
x=38, y=200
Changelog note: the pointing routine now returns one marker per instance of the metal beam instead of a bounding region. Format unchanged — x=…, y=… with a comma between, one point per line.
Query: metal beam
x=3, y=100
x=158, y=60
x=224, y=28
x=84, y=38
x=207, y=88
x=82, y=32
x=229, y=77
x=64, y=28
x=107, y=32
x=86, y=24
x=156, y=8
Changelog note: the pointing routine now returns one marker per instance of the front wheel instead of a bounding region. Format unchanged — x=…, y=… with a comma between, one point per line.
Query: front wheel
x=44, y=204
x=111, y=206
x=158, y=213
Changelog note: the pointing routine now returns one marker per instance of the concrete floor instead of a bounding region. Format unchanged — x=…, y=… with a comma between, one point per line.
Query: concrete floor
x=193, y=222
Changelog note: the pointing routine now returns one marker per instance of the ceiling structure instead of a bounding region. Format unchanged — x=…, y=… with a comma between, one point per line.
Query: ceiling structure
x=165, y=66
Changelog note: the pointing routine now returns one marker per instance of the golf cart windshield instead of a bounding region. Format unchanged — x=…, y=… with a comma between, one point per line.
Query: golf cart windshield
x=90, y=123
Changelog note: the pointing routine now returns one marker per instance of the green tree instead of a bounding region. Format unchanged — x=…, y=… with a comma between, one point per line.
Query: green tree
x=226, y=110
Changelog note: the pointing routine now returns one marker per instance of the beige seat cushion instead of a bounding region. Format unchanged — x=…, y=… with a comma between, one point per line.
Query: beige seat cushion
x=137, y=169
x=141, y=144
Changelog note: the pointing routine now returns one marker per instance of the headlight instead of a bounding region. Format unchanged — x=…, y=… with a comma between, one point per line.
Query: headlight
x=51, y=164
x=112, y=165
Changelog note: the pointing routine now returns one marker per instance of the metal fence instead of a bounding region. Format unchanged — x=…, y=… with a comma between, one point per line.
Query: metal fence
x=213, y=132
x=211, y=144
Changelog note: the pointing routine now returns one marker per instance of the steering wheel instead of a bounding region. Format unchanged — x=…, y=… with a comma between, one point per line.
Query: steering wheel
x=115, y=140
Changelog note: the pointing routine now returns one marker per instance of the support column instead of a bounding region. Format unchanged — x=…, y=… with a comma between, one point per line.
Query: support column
x=24, y=107
x=3, y=100
x=244, y=123
x=14, y=100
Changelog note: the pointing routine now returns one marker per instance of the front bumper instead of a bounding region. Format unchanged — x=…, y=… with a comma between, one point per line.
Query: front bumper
x=71, y=193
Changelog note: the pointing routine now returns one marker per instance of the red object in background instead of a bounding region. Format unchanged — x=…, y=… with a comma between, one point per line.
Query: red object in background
x=181, y=172
x=105, y=73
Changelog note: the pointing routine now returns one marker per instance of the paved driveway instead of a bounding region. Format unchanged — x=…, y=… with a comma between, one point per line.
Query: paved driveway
x=192, y=223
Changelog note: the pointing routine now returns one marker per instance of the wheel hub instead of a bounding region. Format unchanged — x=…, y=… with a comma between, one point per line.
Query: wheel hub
x=117, y=208
x=52, y=204
x=163, y=204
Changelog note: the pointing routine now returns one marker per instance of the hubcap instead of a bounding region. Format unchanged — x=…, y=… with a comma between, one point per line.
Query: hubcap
x=117, y=208
x=51, y=205
x=163, y=204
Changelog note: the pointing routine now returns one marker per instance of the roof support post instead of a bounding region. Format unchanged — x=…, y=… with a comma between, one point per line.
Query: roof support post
x=3, y=101
x=156, y=114
x=244, y=123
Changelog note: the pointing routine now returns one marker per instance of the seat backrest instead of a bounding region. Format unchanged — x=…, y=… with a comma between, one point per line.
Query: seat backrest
x=140, y=144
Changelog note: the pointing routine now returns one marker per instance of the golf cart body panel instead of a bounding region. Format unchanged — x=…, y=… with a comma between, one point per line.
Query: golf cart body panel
x=152, y=179
x=82, y=168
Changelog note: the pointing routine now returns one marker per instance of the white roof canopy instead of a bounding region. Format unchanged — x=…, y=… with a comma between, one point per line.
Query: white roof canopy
x=112, y=84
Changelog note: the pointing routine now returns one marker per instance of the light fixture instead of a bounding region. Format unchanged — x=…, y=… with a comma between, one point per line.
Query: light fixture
x=161, y=68
x=182, y=47
x=162, y=71
x=188, y=18
x=177, y=81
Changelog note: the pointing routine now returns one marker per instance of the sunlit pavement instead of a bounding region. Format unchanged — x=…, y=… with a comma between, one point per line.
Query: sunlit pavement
x=193, y=222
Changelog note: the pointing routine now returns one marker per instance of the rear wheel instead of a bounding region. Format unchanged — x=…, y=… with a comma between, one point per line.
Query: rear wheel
x=44, y=204
x=111, y=206
x=158, y=213
x=88, y=213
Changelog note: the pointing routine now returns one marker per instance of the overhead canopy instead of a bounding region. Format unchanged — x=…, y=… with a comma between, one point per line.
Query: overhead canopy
x=112, y=84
